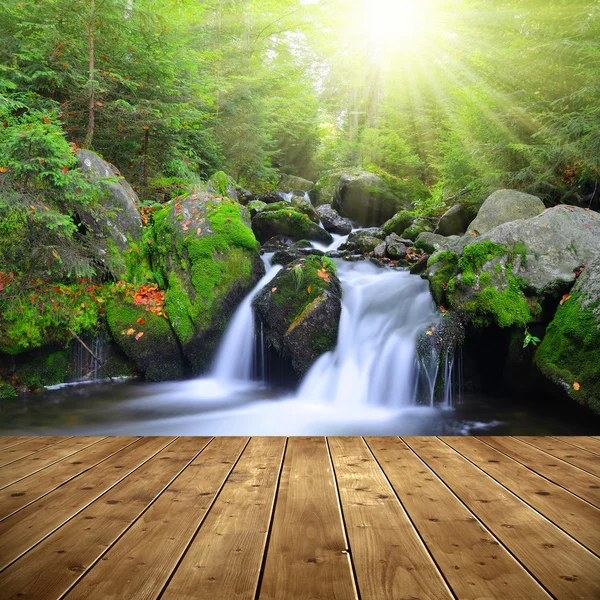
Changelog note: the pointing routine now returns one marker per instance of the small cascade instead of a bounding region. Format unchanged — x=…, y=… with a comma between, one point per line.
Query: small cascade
x=235, y=358
x=84, y=365
x=285, y=196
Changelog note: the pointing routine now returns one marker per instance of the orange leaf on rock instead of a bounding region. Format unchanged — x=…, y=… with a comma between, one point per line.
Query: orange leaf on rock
x=273, y=289
x=309, y=289
x=576, y=386
x=139, y=335
x=324, y=275
x=130, y=331
x=565, y=298
x=141, y=321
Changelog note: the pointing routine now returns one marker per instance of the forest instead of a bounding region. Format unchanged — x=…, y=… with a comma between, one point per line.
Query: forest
x=153, y=152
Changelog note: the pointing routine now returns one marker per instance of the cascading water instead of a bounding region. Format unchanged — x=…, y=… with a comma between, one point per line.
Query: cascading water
x=375, y=359
x=235, y=358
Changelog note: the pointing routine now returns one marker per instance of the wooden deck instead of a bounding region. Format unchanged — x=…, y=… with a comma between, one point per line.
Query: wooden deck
x=337, y=518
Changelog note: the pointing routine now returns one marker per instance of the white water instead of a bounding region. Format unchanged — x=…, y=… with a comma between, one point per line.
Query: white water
x=374, y=362
x=235, y=357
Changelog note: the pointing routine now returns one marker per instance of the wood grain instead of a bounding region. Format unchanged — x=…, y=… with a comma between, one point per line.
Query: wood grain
x=40, y=460
x=62, y=558
x=140, y=563
x=307, y=555
x=30, y=447
x=572, y=514
x=578, y=482
x=474, y=563
x=585, y=442
x=6, y=441
x=234, y=532
x=29, y=526
x=390, y=559
x=564, y=567
x=574, y=456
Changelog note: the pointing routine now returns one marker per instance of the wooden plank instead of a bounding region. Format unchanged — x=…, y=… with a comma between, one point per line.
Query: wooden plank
x=572, y=514
x=225, y=558
x=574, y=456
x=16, y=496
x=471, y=559
x=7, y=441
x=575, y=480
x=29, y=526
x=62, y=558
x=307, y=555
x=564, y=567
x=585, y=442
x=30, y=447
x=38, y=461
x=389, y=558
x=140, y=563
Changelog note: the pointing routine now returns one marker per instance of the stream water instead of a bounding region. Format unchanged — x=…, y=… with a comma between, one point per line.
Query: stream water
x=371, y=384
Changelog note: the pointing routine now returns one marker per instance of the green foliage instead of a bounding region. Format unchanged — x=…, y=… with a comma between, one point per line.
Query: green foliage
x=530, y=339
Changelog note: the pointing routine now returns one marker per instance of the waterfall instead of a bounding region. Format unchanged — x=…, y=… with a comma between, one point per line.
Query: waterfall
x=375, y=359
x=285, y=196
x=84, y=365
x=235, y=358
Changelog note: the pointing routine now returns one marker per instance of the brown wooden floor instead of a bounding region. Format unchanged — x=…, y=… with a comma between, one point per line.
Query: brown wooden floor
x=300, y=518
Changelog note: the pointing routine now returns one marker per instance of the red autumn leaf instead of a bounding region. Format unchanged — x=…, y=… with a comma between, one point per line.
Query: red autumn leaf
x=141, y=321
x=64, y=170
x=98, y=103
x=47, y=120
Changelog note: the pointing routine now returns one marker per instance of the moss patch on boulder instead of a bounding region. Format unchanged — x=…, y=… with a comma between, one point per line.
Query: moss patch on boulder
x=290, y=223
x=398, y=223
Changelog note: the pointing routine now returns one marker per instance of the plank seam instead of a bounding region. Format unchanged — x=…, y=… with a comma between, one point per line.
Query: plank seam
x=566, y=441
x=50, y=464
x=263, y=562
x=25, y=439
x=518, y=497
x=410, y=520
x=482, y=440
x=199, y=526
x=481, y=523
x=336, y=485
x=89, y=503
x=555, y=457
x=99, y=557
x=34, y=452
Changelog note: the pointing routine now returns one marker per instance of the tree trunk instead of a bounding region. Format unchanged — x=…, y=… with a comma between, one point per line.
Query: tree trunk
x=91, y=77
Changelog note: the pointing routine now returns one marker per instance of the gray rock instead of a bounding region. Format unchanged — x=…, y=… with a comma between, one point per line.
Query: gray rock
x=289, y=223
x=505, y=206
x=363, y=240
x=366, y=199
x=322, y=193
x=221, y=184
x=557, y=242
x=302, y=204
x=379, y=251
x=430, y=242
x=122, y=219
x=395, y=246
x=332, y=221
x=453, y=222
x=256, y=206
x=287, y=183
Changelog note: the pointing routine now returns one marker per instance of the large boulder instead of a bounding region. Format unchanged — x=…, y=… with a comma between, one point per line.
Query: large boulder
x=121, y=220
x=290, y=223
x=301, y=202
x=453, y=222
x=145, y=337
x=512, y=273
x=332, y=221
x=300, y=311
x=206, y=257
x=221, y=184
x=288, y=183
x=401, y=221
x=504, y=206
x=430, y=242
x=366, y=199
x=569, y=354
x=363, y=240
x=322, y=192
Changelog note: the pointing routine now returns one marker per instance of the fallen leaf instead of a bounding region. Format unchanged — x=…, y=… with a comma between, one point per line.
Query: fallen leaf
x=565, y=298
x=473, y=233
x=198, y=231
x=323, y=275
x=130, y=331
x=141, y=321
x=64, y=170
x=443, y=309
x=273, y=289
x=139, y=335
x=309, y=289
x=430, y=332
x=55, y=254
x=576, y=386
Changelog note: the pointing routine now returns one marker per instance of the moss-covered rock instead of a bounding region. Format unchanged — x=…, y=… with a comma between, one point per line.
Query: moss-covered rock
x=289, y=183
x=418, y=226
x=366, y=199
x=300, y=310
x=302, y=204
x=290, y=223
x=398, y=223
x=7, y=391
x=569, y=354
x=256, y=206
x=322, y=192
x=47, y=366
x=207, y=257
x=146, y=338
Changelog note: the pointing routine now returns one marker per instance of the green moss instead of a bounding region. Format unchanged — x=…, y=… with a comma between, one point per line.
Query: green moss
x=398, y=223
x=296, y=300
x=39, y=371
x=7, y=391
x=217, y=251
x=296, y=220
x=441, y=268
x=570, y=349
